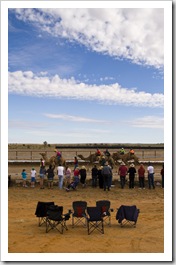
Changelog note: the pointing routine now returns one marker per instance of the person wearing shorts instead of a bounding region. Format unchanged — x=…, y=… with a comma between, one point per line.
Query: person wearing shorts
x=33, y=177
x=50, y=176
x=24, y=177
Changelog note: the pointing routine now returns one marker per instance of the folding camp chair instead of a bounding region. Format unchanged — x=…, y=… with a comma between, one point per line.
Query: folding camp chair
x=79, y=213
x=56, y=219
x=106, y=210
x=127, y=215
x=94, y=220
x=41, y=210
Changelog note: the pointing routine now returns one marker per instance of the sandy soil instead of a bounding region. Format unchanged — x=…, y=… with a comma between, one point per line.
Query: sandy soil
x=25, y=236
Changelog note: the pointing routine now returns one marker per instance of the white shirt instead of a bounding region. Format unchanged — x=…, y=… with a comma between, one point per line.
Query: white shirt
x=150, y=169
x=33, y=173
x=60, y=170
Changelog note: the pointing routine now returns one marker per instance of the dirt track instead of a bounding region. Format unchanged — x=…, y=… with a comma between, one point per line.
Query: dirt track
x=26, y=237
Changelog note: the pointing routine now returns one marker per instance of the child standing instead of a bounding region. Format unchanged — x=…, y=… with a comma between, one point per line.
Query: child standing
x=67, y=176
x=33, y=176
x=24, y=177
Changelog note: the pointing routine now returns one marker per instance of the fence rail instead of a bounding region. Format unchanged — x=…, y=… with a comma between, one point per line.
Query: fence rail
x=17, y=155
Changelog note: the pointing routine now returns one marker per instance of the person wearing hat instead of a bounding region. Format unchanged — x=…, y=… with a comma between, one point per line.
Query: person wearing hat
x=122, y=151
x=131, y=172
x=103, y=161
x=83, y=174
x=122, y=172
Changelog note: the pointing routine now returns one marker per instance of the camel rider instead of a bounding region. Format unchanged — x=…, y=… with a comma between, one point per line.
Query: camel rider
x=98, y=152
x=107, y=153
x=122, y=151
x=131, y=151
x=58, y=155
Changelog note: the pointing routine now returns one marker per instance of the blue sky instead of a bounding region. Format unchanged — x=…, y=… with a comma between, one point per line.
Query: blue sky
x=86, y=75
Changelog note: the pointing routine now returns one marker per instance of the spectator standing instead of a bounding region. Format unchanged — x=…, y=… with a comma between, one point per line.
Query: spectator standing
x=24, y=177
x=106, y=172
x=141, y=174
x=42, y=173
x=83, y=175
x=33, y=177
x=162, y=176
x=100, y=177
x=75, y=162
x=42, y=162
x=131, y=172
x=103, y=161
x=76, y=175
x=122, y=172
x=151, y=173
x=94, y=176
x=67, y=176
x=60, y=173
x=110, y=175
x=50, y=176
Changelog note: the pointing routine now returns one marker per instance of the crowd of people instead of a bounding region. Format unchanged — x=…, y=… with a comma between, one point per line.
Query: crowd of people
x=101, y=176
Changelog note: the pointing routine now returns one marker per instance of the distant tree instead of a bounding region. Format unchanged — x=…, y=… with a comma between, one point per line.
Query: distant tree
x=45, y=143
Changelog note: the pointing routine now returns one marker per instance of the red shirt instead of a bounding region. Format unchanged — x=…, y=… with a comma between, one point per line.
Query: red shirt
x=123, y=170
x=76, y=172
x=141, y=172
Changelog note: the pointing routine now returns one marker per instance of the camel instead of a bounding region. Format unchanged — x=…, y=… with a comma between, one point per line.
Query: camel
x=91, y=158
x=53, y=160
x=127, y=158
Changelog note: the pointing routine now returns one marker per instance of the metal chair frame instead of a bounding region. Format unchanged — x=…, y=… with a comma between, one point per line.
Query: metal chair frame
x=94, y=220
x=56, y=219
x=106, y=210
x=79, y=213
x=41, y=211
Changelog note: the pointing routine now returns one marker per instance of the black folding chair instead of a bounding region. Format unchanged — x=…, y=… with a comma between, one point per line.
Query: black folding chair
x=94, y=220
x=79, y=213
x=56, y=219
x=41, y=211
x=106, y=210
x=127, y=215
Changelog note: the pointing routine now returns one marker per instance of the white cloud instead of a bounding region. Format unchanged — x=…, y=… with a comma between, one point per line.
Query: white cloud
x=28, y=83
x=153, y=122
x=133, y=33
x=73, y=118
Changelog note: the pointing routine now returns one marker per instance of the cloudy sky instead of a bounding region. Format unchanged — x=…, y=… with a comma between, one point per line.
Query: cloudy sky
x=86, y=75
